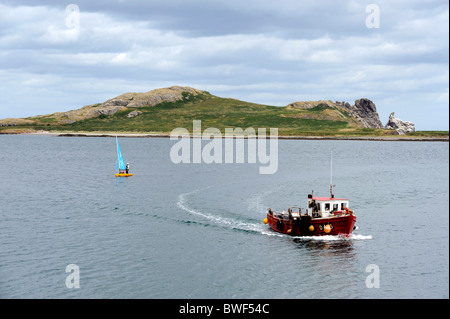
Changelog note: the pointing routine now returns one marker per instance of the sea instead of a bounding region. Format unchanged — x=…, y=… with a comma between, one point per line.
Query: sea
x=70, y=229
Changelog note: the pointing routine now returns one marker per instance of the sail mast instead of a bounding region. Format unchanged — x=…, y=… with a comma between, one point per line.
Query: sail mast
x=331, y=176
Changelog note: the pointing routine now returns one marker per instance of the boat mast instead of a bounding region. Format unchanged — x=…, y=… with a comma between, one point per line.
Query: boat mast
x=331, y=176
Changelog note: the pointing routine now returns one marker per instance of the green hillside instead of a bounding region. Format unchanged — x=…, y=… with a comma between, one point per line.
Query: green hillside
x=323, y=119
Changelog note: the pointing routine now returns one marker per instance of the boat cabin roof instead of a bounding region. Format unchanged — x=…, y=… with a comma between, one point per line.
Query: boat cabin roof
x=322, y=199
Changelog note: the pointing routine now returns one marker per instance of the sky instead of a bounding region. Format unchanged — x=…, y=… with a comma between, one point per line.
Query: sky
x=57, y=56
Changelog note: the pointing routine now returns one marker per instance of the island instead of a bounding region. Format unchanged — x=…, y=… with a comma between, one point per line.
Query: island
x=157, y=112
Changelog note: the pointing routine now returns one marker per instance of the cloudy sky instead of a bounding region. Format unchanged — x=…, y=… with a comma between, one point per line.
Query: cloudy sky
x=58, y=55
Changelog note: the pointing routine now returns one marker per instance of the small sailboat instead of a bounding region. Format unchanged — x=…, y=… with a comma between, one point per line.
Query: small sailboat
x=121, y=168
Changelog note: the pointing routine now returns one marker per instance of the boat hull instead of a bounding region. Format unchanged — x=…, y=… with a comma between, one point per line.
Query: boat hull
x=336, y=225
x=123, y=175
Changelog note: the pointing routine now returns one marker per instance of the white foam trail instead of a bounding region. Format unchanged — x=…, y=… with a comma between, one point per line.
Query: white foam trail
x=360, y=237
x=335, y=237
x=272, y=233
x=216, y=219
x=269, y=232
x=181, y=202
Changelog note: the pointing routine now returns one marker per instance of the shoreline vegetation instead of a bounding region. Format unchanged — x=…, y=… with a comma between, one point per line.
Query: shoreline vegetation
x=158, y=112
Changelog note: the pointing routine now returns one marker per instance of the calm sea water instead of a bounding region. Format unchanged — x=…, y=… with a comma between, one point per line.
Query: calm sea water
x=196, y=231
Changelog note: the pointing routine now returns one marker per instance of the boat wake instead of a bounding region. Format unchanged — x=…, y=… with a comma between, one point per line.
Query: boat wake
x=218, y=220
x=270, y=232
x=336, y=238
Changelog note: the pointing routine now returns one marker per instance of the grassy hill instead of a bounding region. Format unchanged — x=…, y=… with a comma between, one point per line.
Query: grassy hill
x=323, y=118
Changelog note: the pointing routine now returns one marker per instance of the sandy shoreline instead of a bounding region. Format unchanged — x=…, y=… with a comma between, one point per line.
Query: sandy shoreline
x=161, y=135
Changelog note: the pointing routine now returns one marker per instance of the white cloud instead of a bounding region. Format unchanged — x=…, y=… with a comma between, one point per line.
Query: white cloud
x=54, y=35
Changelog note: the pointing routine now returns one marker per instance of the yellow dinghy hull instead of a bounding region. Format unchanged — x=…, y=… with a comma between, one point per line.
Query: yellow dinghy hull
x=123, y=174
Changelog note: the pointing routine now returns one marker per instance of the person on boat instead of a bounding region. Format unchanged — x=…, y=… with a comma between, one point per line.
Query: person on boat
x=127, y=168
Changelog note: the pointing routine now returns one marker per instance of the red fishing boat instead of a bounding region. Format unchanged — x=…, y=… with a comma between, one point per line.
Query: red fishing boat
x=323, y=216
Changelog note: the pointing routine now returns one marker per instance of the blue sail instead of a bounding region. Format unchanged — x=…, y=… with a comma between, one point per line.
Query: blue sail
x=120, y=164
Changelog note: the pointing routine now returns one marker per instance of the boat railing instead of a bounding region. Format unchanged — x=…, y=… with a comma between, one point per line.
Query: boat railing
x=332, y=213
x=292, y=212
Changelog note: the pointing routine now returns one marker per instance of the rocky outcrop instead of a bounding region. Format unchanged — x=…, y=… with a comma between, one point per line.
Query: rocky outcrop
x=402, y=127
x=86, y=112
x=365, y=111
x=152, y=98
x=134, y=113
x=310, y=104
x=107, y=110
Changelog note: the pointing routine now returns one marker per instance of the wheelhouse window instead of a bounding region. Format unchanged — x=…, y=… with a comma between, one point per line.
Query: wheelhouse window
x=327, y=206
x=335, y=206
x=343, y=205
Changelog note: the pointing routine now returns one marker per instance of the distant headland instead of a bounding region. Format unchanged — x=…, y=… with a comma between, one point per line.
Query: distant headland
x=157, y=112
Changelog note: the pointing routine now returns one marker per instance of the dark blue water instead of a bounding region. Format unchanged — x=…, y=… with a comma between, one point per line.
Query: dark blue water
x=196, y=231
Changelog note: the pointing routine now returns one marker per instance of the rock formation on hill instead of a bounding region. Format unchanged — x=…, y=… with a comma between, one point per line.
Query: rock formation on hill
x=365, y=111
x=402, y=127
x=124, y=101
x=151, y=98
x=310, y=104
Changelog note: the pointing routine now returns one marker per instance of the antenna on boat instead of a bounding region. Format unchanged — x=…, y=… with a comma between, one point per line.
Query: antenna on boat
x=331, y=176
